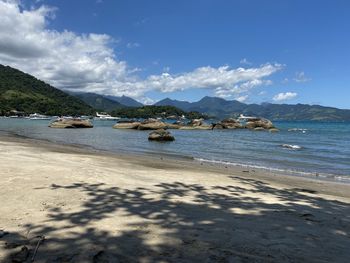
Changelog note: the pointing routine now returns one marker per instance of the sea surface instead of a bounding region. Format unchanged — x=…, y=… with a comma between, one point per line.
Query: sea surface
x=310, y=148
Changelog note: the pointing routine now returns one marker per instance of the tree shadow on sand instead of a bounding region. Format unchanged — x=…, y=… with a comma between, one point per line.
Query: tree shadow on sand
x=223, y=223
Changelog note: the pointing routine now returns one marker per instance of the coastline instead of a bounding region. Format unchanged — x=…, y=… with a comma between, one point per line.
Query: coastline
x=92, y=204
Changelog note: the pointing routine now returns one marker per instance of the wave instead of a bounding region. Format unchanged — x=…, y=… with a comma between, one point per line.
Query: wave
x=315, y=175
x=298, y=129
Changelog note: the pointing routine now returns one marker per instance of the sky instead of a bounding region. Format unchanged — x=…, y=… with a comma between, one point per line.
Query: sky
x=254, y=51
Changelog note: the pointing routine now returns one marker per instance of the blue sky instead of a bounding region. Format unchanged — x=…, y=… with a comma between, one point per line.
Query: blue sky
x=305, y=42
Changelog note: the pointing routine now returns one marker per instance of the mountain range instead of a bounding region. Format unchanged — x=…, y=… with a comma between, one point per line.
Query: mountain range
x=222, y=108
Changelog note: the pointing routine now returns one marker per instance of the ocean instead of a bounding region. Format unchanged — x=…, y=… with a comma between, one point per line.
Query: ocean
x=319, y=149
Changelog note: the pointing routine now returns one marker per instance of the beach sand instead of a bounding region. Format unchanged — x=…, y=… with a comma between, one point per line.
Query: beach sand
x=98, y=207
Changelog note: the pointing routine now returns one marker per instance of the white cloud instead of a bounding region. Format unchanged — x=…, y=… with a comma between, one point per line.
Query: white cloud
x=242, y=98
x=86, y=62
x=245, y=61
x=285, y=96
x=147, y=101
x=228, y=92
x=300, y=77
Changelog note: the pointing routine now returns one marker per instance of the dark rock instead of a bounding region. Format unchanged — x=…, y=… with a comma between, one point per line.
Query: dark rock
x=160, y=135
x=219, y=126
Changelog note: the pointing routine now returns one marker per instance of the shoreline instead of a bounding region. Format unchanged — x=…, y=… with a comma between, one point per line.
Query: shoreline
x=332, y=178
x=180, y=162
x=95, y=206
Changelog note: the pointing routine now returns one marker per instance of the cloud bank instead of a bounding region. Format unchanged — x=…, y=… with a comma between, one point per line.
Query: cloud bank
x=285, y=96
x=87, y=62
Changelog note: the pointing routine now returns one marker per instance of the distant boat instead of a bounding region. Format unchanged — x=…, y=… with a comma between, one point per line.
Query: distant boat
x=37, y=116
x=245, y=118
x=105, y=117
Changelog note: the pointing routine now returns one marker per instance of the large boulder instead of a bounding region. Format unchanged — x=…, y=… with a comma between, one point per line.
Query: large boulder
x=259, y=123
x=70, y=123
x=218, y=126
x=152, y=124
x=202, y=127
x=160, y=135
x=173, y=126
x=127, y=125
x=197, y=122
x=231, y=124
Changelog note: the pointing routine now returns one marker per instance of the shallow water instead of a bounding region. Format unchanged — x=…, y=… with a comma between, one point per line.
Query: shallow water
x=325, y=147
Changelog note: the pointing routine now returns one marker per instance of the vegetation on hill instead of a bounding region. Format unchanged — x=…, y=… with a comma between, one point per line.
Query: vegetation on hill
x=154, y=112
x=22, y=92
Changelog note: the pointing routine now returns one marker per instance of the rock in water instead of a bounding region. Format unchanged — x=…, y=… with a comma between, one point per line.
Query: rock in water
x=259, y=123
x=231, y=124
x=71, y=123
x=219, y=126
x=160, y=135
x=127, y=125
x=152, y=124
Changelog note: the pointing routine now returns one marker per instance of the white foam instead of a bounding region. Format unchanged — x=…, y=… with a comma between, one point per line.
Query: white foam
x=297, y=129
x=323, y=176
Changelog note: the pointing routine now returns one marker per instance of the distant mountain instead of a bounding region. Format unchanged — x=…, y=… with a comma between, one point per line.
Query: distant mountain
x=124, y=100
x=99, y=102
x=184, y=105
x=222, y=108
x=23, y=92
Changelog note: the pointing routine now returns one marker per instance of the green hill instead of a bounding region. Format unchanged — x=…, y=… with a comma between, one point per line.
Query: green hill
x=23, y=92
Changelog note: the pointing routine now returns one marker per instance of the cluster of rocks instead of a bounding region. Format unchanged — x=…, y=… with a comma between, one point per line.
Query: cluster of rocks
x=228, y=124
x=160, y=133
x=70, y=123
x=149, y=124
x=257, y=124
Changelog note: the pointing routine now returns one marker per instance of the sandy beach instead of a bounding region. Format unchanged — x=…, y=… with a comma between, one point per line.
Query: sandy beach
x=69, y=204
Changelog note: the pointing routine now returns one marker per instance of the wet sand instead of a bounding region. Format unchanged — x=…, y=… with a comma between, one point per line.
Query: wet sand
x=93, y=206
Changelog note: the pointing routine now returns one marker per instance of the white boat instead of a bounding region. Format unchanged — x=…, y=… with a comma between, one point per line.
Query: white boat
x=247, y=118
x=37, y=116
x=105, y=117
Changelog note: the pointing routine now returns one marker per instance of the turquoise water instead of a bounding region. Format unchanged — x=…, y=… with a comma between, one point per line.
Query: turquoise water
x=325, y=147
